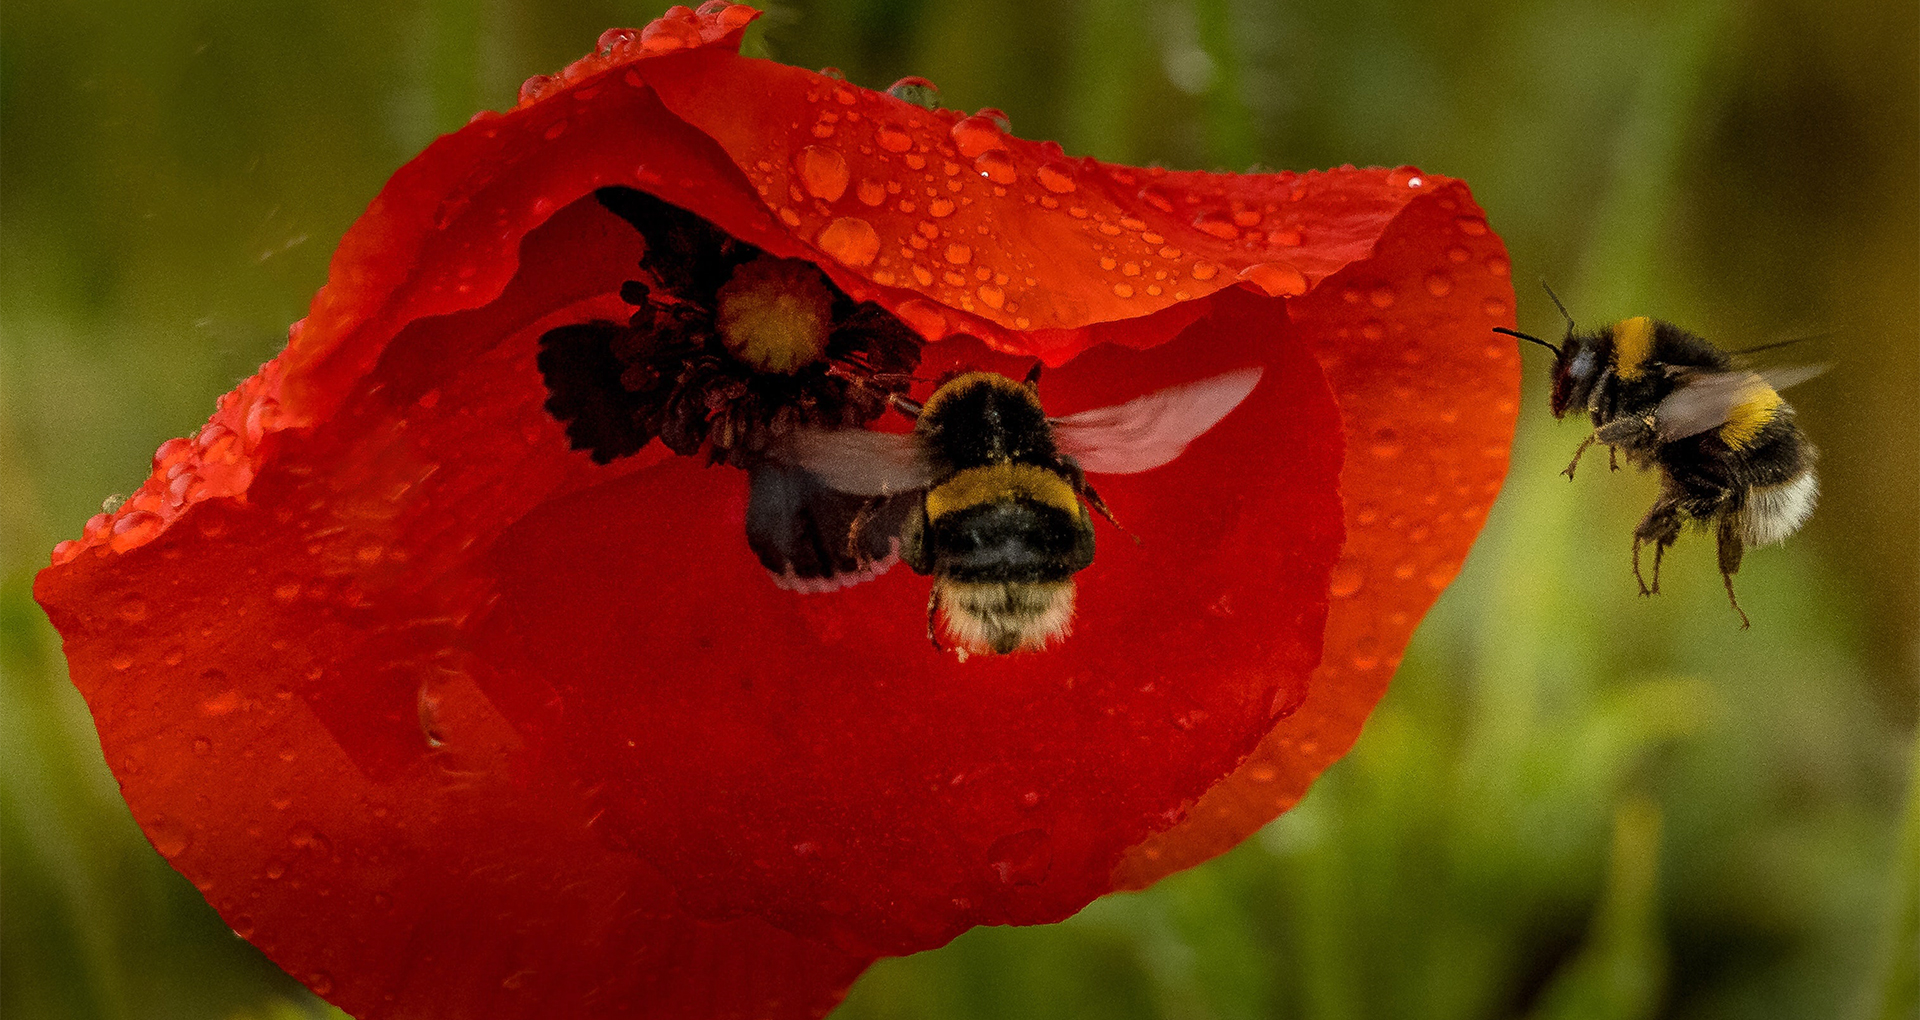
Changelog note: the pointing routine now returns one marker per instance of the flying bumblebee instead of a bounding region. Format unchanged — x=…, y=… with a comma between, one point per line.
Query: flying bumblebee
x=1729, y=452
x=987, y=494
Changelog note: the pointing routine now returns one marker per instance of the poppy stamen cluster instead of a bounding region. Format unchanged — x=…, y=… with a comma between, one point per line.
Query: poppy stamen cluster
x=728, y=348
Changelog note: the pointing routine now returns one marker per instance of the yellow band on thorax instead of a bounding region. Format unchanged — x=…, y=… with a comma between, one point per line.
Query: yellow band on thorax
x=994, y=482
x=1632, y=343
x=1749, y=416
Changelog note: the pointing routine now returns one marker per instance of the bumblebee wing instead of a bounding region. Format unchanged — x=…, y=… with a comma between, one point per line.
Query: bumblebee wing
x=1705, y=400
x=803, y=530
x=858, y=461
x=1149, y=431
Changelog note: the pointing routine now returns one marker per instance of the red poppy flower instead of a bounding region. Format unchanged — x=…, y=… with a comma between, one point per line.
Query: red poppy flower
x=459, y=696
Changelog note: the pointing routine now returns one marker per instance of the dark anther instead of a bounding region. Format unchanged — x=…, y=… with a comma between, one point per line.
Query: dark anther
x=673, y=372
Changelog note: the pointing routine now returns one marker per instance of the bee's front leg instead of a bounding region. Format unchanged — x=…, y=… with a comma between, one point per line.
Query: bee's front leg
x=1732, y=548
x=1575, y=462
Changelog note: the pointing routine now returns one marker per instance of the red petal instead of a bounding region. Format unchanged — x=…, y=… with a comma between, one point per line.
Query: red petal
x=1428, y=397
x=454, y=722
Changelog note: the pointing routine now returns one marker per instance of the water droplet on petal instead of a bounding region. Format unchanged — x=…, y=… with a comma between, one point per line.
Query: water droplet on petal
x=893, y=139
x=918, y=91
x=940, y=207
x=614, y=39
x=1216, y=223
x=321, y=982
x=996, y=167
x=976, y=134
x=823, y=171
x=1439, y=284
x=991, y=296
x=1122, y=290
x=1346, y=579
x=535, y=87
x=870, y=192
x=959, y=254
x=1498, y=266
x=1381, y=296
x=1276, y=279
x=1204, y=270
x=133, y=530
x=850, y=239
x=168, y=837
x=1056, y=177
x=1472, y=226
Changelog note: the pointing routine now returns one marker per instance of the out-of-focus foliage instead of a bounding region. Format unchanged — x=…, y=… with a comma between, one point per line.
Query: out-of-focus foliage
x=1574, y=802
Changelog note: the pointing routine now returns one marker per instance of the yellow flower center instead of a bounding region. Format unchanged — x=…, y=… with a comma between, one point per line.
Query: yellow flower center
x=775, y=314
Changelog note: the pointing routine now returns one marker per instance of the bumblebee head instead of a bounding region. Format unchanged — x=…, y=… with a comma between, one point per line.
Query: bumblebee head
x=1577, y=360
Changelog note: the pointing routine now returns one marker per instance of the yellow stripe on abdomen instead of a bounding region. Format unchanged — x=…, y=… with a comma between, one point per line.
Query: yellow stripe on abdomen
x=1750, y=416
x=975, y=486
x=1632, y=342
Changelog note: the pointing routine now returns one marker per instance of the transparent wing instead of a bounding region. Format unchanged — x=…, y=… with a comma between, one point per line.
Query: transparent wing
x=813, y=539
x=1149, y=431
x=858, y=461
x=1705, y=400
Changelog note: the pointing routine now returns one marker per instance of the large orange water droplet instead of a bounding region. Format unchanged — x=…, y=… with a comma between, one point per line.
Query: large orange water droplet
x=995, y=166
x=1056, y=177
x=893, y=139
x=976, y=134
x=823, y=171
x=959, y=254
x=850, y=239
x=1217, y=223
x=1276, y=279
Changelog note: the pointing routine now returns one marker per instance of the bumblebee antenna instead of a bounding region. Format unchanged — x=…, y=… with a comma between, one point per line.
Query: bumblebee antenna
x=1557, y=304
x=1779, y=343
x=1523, y=336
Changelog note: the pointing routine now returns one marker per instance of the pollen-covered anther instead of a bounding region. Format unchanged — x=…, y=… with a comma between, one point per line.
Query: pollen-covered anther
x=775, y=314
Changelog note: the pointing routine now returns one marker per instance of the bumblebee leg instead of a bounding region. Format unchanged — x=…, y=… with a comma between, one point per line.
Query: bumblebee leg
x=1661, y=526
x=859, y=525
x=933, y=610
x=1033, y=375
x=1732, y=548
x=1613, y=464
x=1568, y=471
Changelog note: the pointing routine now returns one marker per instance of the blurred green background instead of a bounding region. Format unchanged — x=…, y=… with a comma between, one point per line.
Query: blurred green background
x=1573, y=803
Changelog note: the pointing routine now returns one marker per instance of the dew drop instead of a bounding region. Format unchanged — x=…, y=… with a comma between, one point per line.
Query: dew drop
x=1382, y=296
x=959, y=254
x=168, y=837
x=976, y=135
x=1346, y=579
x=870, y=192
x=916, y=90
x=224, y=703
x=243, y=926
x=1246, y=218
x=535, y=87
x=616, y=39
x=850, y=239
x=789, y=217
x=1276, y=279
x=823, y=171
x=202, y=746
x=1366, y=653
x=1458, y=254
x=1439, y=284
x=1495, y=308
x=134, y=530
x=991, y=296
x=1204, y=270
x=996, y=167
x=1217, y=223
x=1386, y=443
x=171, y=452
x=940, y=207
x=1472, y=226
x=121, y=663
x=321, y=982
x=1498, y=266
x=1055, y=177
x=893, y=139
x=133, y=609
x=1122, y=290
